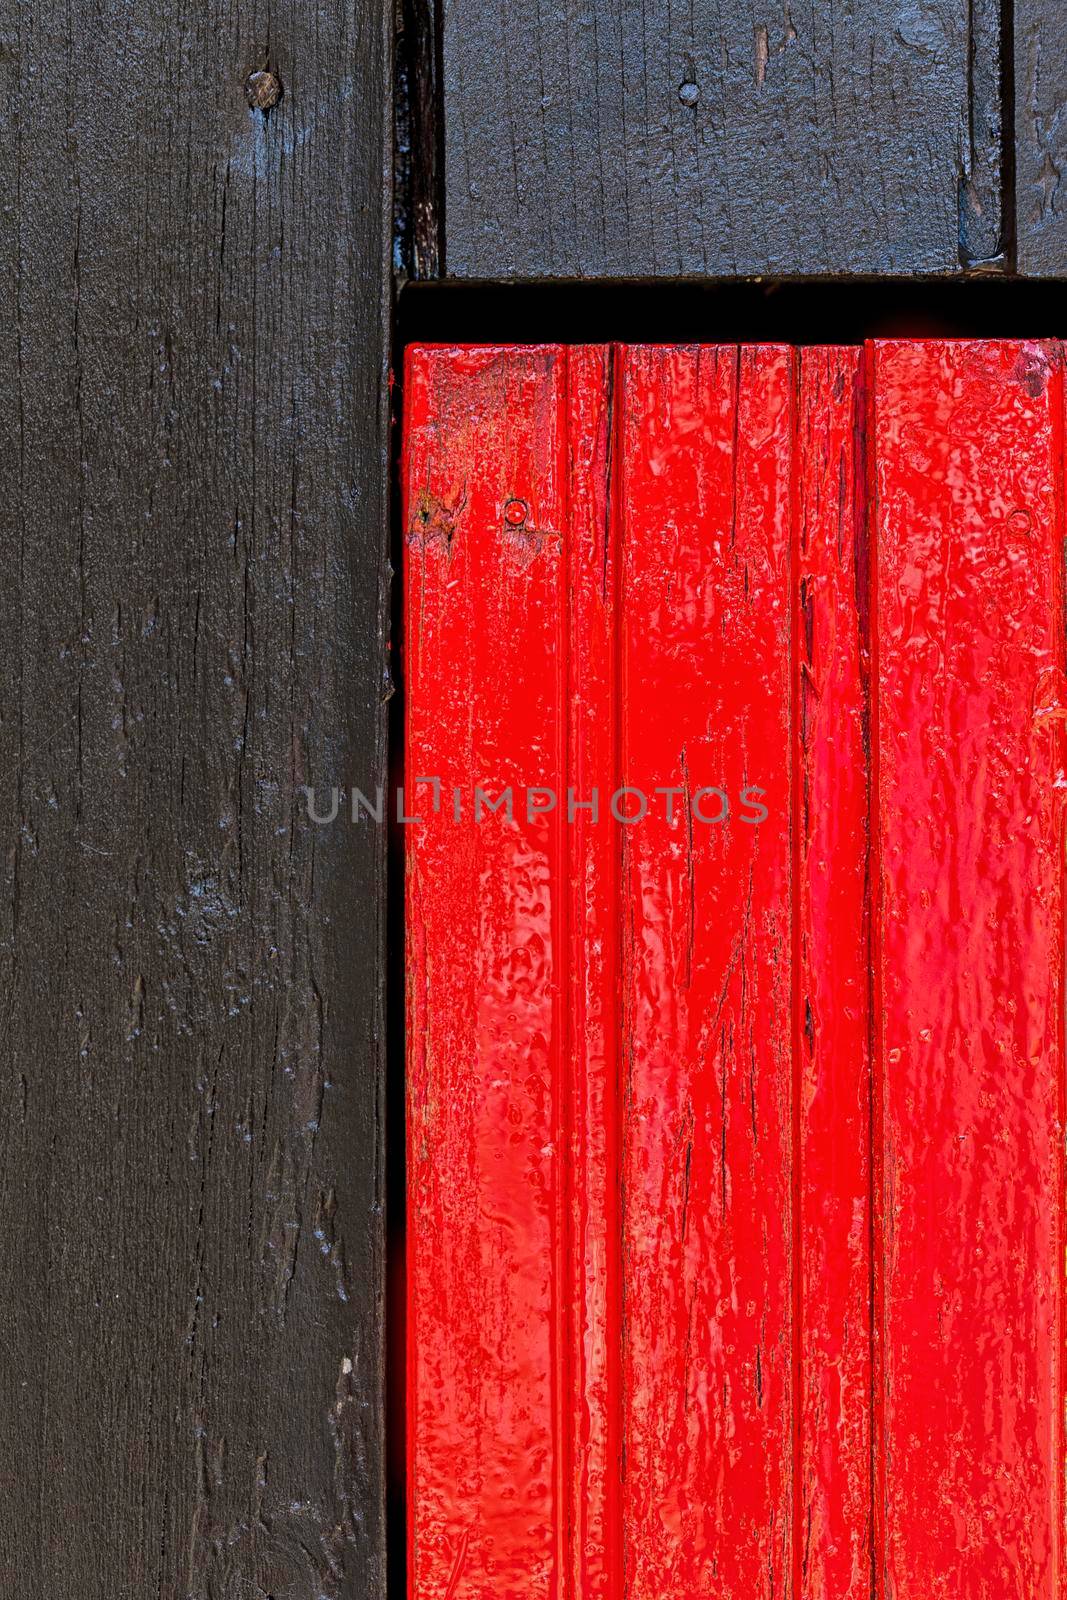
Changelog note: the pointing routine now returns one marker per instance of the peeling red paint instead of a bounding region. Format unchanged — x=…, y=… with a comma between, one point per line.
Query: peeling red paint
x=735, y=1172
x=969, y=963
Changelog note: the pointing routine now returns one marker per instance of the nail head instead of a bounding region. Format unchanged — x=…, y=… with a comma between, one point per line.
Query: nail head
x=263, y=90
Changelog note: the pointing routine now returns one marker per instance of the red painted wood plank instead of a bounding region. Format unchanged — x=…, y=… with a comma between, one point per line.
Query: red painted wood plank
x=967, y=449
x=835, y=1549
x=594, y=938
x=484, y=657
x=706, y=489
x=640, y=1054
x=513, y=1469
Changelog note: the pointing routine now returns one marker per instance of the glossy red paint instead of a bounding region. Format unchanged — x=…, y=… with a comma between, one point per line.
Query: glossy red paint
x=967, y=456
x=707, y=971
x=514, y=1264
x=832, y=1061
x=736, y=1186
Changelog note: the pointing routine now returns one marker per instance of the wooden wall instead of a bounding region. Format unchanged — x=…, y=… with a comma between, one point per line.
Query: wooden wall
x=194, y=322
x=607, y=138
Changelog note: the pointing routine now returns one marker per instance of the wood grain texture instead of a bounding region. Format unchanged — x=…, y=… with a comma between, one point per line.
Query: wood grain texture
x=484, y=653
x=417, y=176
x=832, y=1066
x=969, y=751
x=605, y=1023
x=192, y=321
x=602, y=138
x=708, y=973
x=1040, y=139
x=514, y=1243
x=737, y=1201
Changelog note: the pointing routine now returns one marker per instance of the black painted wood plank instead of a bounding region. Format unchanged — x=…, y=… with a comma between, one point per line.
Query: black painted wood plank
x=193, y=313
x=1041, y=137
x=985, y=224
x=615, y=138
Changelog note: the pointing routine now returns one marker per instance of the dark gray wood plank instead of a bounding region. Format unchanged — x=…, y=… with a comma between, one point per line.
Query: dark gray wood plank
x=192, y=467
x=985, y=223
x=1041, y=137
x=418, y=176
x=692, y=137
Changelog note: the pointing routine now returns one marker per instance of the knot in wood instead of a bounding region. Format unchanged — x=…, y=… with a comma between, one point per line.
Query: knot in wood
x=263, y=90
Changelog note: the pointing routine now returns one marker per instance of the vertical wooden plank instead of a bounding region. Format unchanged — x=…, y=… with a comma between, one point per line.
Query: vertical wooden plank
x=419, y=210
x=708, y=1019
x=484, y=656
x=192, y=619
x=600, y=138
x=832, y=906
x=967, y=451
x=1040, y=139
x=985, y=219
x=595, y=931
x=507, y=1259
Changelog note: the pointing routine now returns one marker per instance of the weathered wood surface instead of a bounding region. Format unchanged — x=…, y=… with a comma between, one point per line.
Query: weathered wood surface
x=736, y=1217
x=967, y=965
x=192, y=445
x=606, y=138
x=1041, y=137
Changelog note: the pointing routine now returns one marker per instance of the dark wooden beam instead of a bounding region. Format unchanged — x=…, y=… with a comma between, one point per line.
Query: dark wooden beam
x=602, y=138
x=1041, y=137
x=193, y=318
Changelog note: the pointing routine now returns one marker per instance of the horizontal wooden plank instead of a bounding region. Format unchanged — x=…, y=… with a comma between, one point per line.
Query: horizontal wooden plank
x=1041, y=138
x=600, y=138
